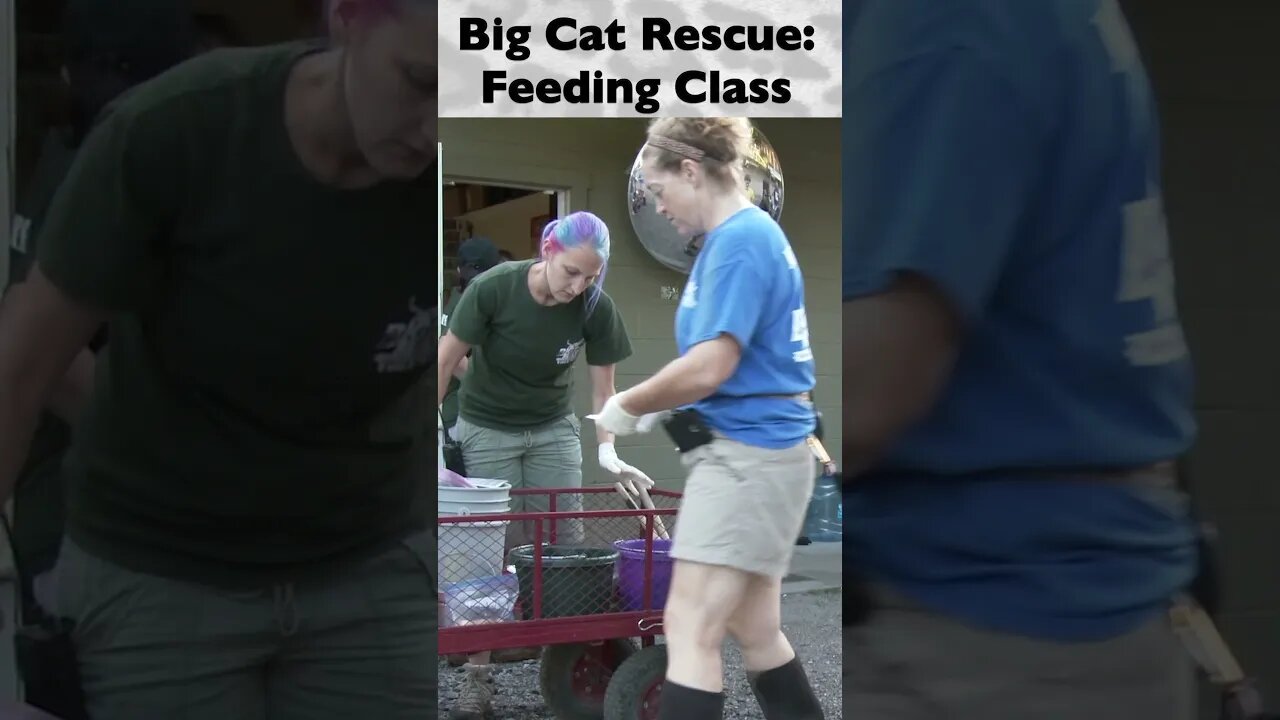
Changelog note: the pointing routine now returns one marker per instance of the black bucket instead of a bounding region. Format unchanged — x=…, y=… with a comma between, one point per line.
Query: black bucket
x=575, y=581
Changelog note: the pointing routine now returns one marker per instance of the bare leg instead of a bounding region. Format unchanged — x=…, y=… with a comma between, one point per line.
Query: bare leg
x=776, y=675
x=701, y=601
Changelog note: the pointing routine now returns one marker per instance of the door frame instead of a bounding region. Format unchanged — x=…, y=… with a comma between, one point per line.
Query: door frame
x=561, y=195
x=8, y=123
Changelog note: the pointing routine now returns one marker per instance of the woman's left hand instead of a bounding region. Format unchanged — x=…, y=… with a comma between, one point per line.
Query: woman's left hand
x=629, y=476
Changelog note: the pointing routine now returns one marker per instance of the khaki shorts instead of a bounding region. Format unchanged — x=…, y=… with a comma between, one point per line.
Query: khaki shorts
x=744, y=506
x=910, y=663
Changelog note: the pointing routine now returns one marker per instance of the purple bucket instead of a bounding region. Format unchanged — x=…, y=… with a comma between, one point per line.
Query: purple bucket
x=631, y=573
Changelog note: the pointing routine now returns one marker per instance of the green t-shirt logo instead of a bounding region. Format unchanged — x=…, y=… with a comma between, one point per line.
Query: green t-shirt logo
x=21, y=231
x=404, y=345
x=569, y=352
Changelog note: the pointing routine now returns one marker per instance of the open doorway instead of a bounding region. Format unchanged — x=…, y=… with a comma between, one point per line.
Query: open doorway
x=510, y=216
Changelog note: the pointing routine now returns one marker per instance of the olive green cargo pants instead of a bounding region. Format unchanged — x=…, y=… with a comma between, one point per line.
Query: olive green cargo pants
x=547, y=458
x=360, y=643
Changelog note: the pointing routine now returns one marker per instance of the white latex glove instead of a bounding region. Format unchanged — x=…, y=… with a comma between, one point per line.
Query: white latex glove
x=649, y=421
x=612, y=418
x=627, y=476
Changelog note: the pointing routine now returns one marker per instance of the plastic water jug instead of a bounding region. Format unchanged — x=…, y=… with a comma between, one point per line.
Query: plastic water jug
x=824, y=521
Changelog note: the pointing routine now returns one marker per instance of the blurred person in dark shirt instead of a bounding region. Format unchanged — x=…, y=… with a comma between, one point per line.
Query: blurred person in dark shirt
x=110, y=46
x=246, y=526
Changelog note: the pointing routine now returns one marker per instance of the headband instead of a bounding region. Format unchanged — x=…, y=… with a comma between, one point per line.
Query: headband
x=679, y=148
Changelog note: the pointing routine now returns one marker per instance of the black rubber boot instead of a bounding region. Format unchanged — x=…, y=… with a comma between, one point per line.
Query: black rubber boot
x=684, y=703
x=784, y=693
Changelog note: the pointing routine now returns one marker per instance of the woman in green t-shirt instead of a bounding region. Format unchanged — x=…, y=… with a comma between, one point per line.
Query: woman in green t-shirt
x=526, y=324
x=247, y=527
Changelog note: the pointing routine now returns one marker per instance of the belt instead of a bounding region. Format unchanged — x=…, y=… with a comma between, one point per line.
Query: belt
x=1157, y=474
x=802, y=397
x=815, y=445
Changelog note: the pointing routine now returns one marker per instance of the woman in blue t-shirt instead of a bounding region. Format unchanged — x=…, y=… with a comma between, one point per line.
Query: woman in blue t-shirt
x=743, y=377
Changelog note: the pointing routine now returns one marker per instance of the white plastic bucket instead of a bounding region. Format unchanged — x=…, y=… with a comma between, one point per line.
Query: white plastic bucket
x=484, y=507
x=485, y=491
x=471, y=550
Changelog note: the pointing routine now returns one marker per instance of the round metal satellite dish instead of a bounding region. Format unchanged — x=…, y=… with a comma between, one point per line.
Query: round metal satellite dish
x=764, y=185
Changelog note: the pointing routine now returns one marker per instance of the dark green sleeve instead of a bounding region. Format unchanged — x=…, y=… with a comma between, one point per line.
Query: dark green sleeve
x=33, y=204
x=449, y=306
x=606, y=334
x=469, y=321
x=102, y=239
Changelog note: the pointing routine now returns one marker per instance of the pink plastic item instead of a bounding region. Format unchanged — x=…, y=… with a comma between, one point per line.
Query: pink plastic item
x=449, y=478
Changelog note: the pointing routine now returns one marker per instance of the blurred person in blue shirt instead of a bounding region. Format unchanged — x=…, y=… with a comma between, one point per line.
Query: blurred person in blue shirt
x=1017, y=385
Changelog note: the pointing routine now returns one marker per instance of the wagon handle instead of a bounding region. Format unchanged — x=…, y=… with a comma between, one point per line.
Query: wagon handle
x=659, y=526
x=642, y=501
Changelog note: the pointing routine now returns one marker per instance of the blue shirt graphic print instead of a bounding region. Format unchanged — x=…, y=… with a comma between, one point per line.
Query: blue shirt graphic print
x=746, y=283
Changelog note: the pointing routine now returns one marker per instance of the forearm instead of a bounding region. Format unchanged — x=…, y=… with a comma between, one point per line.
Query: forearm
x=461, y=369
x=443, y=373
x=873, y=418
x=873, y=421
x=598, y=398
x=19, y=405
x=18, y=418
x=41, y=333
x=683, y=381
x=901, y=346
x=857, y=458
x=450, y=353
x=71, y=395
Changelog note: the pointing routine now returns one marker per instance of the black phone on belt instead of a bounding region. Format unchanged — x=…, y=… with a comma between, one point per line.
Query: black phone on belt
x=688, y=430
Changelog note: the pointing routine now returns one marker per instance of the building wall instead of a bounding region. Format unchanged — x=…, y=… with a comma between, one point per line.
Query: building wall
x=592, y=158
x=1213, y=69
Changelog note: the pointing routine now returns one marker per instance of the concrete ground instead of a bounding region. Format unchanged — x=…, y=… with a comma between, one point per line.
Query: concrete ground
x=814, y=568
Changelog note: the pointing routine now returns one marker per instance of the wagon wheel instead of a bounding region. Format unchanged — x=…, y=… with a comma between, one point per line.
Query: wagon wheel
x=574, y=677
x=634, y=692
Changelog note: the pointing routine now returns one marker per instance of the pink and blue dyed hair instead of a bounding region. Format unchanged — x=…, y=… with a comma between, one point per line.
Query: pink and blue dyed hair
x=575, y=230
x=349, y=10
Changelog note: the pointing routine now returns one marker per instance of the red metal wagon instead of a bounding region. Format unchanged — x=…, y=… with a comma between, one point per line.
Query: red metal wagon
x=589, y=591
